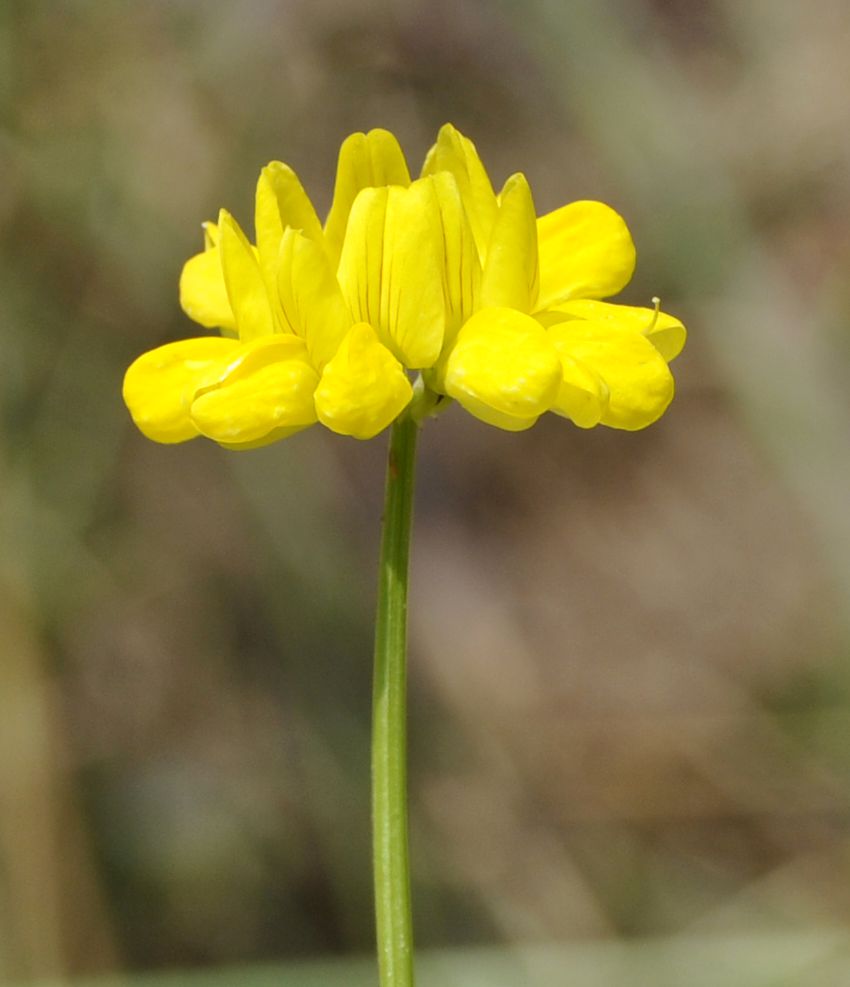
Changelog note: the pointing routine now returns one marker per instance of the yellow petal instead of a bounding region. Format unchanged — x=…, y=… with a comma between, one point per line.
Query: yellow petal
x=267, y=386
x=310, y=296
x=510, y=277
x=246, y=289
x=456, y=154
x=583, y=395
x=362, y=258
x=503, y=368
x=203, y=295
x=639, y=382
x=391, y=269
x=160, y=384
x=665, y=332
x=363, y=388
x=413, y=310
x=280, y=202
x=461, y=271
x=461, y=266
x=370, y=160
x=586, y=251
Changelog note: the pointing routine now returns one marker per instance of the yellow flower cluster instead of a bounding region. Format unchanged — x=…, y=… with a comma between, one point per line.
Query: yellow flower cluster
x=491, y=305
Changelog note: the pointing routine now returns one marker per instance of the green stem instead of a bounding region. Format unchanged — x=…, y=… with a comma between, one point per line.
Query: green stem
x=389, y=719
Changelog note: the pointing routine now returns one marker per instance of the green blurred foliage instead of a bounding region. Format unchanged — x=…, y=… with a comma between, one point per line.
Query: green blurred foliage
x=630, y=703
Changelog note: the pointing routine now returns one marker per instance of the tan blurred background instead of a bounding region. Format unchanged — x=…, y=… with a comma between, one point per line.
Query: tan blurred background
x=630, y=690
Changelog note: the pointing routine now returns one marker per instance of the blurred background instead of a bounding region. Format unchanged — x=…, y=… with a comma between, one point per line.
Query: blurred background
x=630, y=688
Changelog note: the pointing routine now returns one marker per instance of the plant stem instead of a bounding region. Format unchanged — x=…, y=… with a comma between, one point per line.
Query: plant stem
x=389, y=718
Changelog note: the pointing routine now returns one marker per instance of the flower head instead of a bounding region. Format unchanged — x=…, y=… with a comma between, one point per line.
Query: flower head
x=440, y=278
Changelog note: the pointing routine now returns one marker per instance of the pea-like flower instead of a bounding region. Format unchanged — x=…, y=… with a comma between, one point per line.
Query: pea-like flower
x=437, y=288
